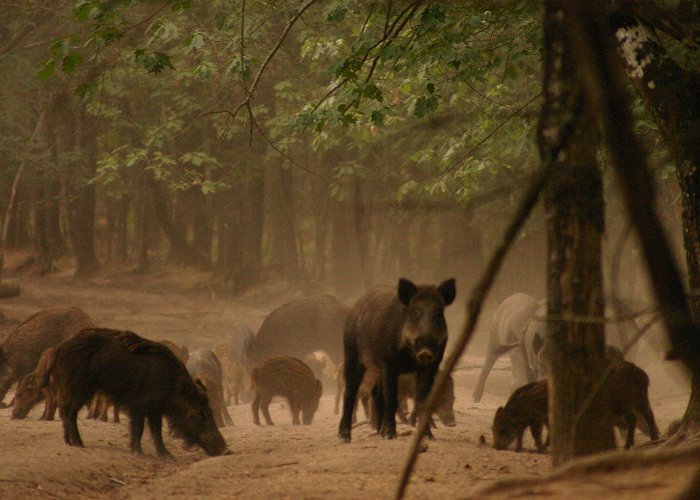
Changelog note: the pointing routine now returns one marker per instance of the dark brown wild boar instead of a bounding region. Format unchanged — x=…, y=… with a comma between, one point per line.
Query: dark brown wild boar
x=526, y=407
x=300, y=327
x=140, y=375
x=290, y=378
x=205, y=368
x=233, y=373
x=624, y=392
x=20, y=352
x=29, y=391
x=394, y=331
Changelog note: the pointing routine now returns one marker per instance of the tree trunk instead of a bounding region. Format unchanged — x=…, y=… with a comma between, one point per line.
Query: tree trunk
x=345, y=268
x=280, y=200
x=141, y=223
x=76, y=137
x=574, y=212
x=181, y=250
x=672, y=96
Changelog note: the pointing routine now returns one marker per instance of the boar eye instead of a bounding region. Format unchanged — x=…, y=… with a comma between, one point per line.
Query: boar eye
x=416, y=313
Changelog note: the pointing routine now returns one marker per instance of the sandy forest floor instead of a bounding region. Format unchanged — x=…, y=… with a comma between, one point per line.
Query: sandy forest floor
x=285, y=460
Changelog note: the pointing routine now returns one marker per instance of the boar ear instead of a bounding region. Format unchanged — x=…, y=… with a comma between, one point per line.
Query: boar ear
x=448, y=291
x=499, y=410
x=406, y=290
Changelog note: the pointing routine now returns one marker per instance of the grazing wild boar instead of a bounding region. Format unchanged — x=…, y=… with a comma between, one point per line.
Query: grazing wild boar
x=300, y=327
x=20, y=352
x=140, y=375
x=29, y=391
x=205, y=368
x=624, y=391
x=290, y=378
x=507, y=334
x=393, y=331
x=233, y=373
x=526, y=407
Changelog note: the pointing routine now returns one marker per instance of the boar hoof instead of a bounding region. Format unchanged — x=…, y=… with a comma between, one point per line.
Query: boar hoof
x=165, y=455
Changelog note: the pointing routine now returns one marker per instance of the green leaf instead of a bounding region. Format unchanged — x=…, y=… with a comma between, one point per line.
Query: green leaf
x=425, y=105
x=47, y=70
x=154, y=62
x=431, y=88
x=377, y=117
x=336, y=14
x=70, y=61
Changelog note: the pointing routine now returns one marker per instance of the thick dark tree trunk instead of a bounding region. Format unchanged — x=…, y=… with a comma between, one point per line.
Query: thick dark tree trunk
x=240, y=259
x=76, y=137
x=247, y=266
x=672, y=95
x=574, y=211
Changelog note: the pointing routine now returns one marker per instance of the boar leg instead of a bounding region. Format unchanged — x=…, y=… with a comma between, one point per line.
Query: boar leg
x=376, y=415
x=485, y=370
x=265, y=407
x=155, y=423
x=519, y=440
x=115, y=408
x=648, y=415
x=295, y=412
x=49, y=404
x=104, y=408
x=353, y=372
x=390, y=396
x=234, y=393
x=536, y=430
x=631, y=421
x=224, y=411
x=137, y=424
x=424, y=382
x=70, y=426
x=227, y=416
x=256, y=407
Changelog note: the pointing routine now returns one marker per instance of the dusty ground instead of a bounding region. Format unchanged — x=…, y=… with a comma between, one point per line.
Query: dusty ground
x=284, y=460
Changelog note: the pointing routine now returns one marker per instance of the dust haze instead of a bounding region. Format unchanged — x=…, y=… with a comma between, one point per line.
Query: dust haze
x=308, y=461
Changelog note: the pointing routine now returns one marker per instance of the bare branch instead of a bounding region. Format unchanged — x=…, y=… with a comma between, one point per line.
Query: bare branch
x=279, y=151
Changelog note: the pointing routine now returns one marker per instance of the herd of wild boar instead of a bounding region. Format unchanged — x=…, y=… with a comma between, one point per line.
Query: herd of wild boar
x=382, y=352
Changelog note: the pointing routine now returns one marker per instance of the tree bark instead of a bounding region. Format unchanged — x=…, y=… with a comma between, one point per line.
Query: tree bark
x=574, y=212
x=672, y=96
